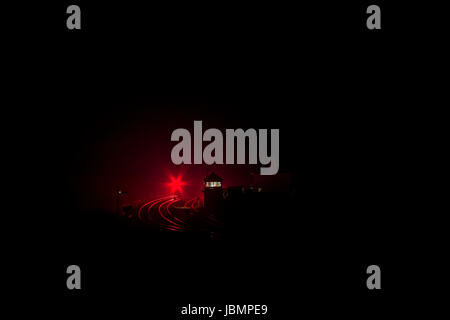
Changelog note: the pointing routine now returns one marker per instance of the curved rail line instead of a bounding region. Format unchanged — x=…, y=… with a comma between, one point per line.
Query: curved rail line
x=149, y=206
x=160, y=211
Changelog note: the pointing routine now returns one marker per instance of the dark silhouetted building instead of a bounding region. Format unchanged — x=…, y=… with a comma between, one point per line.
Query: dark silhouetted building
x=213, y=193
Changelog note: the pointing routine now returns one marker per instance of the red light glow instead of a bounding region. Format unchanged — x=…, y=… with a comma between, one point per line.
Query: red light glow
x=176, y=184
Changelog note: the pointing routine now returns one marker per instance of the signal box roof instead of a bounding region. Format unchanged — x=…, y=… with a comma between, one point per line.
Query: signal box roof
x=212, y=177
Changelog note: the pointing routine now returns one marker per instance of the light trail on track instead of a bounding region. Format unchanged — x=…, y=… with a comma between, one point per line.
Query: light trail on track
x=149, y=206
x=162, y=208
x=172, y=224
x=161, y=212
x=170, y=213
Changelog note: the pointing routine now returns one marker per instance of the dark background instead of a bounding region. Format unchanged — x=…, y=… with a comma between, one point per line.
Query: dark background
x=345, y=100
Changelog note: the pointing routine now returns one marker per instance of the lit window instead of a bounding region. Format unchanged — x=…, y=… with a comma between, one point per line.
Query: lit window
x=213, y=184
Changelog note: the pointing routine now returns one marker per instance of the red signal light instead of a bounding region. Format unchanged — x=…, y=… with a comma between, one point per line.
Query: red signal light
x=176, y=184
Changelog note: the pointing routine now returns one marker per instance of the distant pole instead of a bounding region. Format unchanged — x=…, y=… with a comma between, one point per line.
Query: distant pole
x=119, y=194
